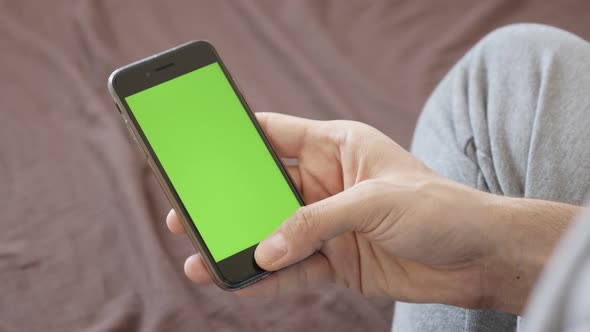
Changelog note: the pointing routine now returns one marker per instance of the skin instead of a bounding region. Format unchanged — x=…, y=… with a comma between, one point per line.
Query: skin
x=382, y=223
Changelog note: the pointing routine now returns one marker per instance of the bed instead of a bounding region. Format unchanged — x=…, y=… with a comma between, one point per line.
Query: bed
x=83, y=245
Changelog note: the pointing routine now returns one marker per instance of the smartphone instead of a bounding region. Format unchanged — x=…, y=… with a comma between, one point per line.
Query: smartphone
x=210, y=155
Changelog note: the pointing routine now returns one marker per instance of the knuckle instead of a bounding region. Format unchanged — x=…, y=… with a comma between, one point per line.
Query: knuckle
x=338, y=131
x=345, y=132
x=303, y=221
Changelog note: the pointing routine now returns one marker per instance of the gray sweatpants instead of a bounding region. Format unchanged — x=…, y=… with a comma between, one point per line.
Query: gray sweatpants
x=511, y=118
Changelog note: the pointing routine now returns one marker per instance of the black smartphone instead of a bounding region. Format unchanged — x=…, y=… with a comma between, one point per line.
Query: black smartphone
x=212, y=159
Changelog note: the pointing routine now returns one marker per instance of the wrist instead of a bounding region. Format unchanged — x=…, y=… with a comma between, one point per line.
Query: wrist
x=524, y=233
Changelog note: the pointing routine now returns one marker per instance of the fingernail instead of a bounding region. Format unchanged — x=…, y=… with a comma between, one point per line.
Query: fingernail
x=271, y=250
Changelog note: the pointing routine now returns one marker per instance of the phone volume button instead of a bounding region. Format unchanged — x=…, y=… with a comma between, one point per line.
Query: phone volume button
x=129, y=128
x=134, y=138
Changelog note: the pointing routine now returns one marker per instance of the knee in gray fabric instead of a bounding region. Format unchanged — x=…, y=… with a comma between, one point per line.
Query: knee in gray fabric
x=525, y=39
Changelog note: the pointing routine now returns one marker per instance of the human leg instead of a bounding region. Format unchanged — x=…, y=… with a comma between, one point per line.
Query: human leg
x=511, y=118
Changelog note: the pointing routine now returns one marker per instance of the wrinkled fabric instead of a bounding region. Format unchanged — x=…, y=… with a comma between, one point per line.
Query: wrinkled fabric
x=511, y=118
x=83, y=246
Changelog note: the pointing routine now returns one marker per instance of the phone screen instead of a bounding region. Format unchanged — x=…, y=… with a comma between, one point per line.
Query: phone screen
x=215, y=159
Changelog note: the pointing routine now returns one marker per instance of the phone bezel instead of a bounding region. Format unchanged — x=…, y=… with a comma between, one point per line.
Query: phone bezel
x=238, y=270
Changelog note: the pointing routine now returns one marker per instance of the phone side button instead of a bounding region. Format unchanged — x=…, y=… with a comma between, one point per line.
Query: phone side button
x=135, y=139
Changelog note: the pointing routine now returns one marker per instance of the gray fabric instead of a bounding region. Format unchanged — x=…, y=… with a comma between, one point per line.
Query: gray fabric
x=511, y=118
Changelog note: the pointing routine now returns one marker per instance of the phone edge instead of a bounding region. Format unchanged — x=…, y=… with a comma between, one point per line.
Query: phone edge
x=217, y=278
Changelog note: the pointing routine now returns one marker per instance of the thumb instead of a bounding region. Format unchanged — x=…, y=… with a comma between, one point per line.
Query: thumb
x=306, y=231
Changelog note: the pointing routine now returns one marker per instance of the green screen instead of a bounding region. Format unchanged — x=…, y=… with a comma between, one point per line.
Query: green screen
x=215, y=159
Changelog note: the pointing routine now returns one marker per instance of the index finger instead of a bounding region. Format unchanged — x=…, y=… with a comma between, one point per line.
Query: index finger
x=287, y=133
x=174, y=224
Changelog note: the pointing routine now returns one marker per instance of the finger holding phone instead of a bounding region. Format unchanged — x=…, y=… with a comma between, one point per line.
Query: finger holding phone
x=380, y=222
x=209, y=154
x=377, y=220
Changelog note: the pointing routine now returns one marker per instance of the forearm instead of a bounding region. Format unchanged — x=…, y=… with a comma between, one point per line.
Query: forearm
x=525, y=232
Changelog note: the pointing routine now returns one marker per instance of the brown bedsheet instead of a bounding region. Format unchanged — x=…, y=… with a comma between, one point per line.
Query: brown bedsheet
x=83, y=246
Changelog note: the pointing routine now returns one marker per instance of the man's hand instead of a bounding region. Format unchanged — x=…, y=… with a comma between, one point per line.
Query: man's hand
x=381, y=222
